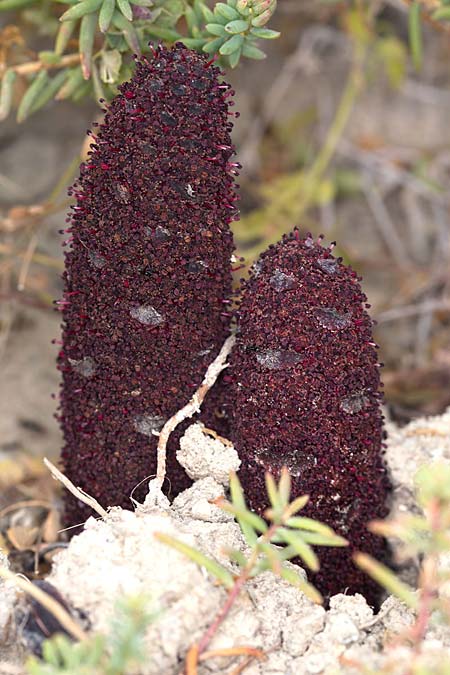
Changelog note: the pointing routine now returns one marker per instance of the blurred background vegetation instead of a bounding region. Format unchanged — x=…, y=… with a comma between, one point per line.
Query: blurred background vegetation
x=343, y=131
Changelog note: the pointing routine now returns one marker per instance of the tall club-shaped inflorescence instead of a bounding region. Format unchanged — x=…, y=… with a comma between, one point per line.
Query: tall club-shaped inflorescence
x=148, y=273
x=305, y=393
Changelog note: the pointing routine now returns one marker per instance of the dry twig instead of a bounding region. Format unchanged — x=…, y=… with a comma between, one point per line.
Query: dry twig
x=50, y=604
x=155, y=486
x=78, y=492
x=407, y=311
x=26, y=262
x=36, y=66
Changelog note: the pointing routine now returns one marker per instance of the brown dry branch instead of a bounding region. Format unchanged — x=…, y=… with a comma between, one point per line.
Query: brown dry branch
x=250, y=652
x=155, y=486
x=232, y=651
x=20, y=216
x=78, y=492
x=26, y=262
x=242, y=666
x=408, y=311
x=36, y=66
x=50, y=604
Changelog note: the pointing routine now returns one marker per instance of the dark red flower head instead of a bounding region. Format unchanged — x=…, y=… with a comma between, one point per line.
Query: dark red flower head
x=146, y=274
x=305, y=394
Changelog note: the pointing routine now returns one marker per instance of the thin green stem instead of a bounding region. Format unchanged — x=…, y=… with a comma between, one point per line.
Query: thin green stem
x=295, y=193
x=334, y=135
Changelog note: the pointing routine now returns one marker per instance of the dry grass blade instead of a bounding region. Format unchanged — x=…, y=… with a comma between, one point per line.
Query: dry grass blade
x=188, y=410
x=233, y=651
x=77, y=492
x=192, y=660
x=50, y=604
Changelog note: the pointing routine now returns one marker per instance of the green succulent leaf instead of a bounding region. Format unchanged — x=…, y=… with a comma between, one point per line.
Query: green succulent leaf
x=386, y=578
x=106, y=14
x=236, y=492
x=193, y=43
x=162, y=33
x=237, y=557
x=301, y=522
x=226, y=11
x=238, y=26
x=262, y=19
x=272, y=492
x=74, y=80
x=261, y=6
x=6, y=93
x=97, y=83
x=303, y=550
x=284, y=486
x=295, y=579
x=198, y=10
x=216, y=570
x=48, y=93
x=36, y=87
x=81, y=9
x=264, y=33
x=317, y=539
x=125, y=8
x=274, y=561
x=128, y=30
x=49, y=58
x=86, y=43
x=235, y=57
x=238, y=503
x=242, y=515
x=84, y=90
x=191, y=19
x=297, y=504
x=232, y=45
x=213, y=46
x=208, y=15
x=63, y=36
x=216, y=29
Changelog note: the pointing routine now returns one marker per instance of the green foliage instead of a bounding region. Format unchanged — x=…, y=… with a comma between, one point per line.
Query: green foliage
x=94, y=41
x=115, y=653
x=419, y=11
x=415, y=34
x=425, y=537
x=290, y=195
x=272, y=541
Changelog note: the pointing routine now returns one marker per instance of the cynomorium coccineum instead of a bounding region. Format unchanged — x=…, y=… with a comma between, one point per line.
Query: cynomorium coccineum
x=147, y=274
x=305, y=394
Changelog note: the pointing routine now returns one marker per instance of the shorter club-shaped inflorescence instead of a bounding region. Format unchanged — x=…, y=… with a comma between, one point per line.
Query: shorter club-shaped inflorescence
x=305, y=392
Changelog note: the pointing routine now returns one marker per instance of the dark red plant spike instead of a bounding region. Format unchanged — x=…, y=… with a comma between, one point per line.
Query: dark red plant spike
x=146, y=274
x=305, y=392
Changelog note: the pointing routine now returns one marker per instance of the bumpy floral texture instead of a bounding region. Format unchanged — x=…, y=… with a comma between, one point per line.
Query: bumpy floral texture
x=304, y=382
x=147, y=273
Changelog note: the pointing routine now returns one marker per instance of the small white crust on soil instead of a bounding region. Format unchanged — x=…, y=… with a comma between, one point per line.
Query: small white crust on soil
x=203, y=456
